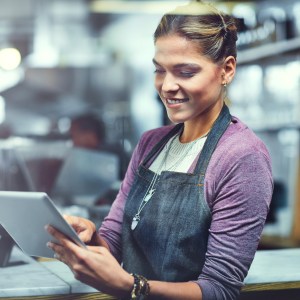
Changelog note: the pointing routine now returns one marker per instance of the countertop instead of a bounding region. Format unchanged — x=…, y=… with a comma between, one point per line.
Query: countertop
x=270, y=270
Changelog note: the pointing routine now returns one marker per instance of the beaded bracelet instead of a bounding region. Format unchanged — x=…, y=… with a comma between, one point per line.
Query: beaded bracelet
x=134, y=291
x=141, y=287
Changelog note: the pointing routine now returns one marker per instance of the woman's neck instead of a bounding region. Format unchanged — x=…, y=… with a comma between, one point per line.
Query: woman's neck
x=196, y=128
x=190, y=133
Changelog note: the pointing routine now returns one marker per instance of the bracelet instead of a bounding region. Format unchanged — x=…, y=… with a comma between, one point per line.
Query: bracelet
x=134, y=292
x=141, y=287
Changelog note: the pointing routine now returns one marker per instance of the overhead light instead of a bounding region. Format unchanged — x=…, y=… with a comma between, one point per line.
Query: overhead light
x=10, y=58
x=146, y=7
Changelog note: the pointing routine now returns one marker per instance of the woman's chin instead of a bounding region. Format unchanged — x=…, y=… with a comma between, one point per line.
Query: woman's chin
x=176, y=120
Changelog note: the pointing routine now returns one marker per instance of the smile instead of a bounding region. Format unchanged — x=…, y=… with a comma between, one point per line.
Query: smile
x=177, y=101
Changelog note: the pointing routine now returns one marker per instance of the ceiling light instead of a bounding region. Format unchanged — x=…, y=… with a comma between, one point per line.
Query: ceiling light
x=146, y=7
x=10, y=58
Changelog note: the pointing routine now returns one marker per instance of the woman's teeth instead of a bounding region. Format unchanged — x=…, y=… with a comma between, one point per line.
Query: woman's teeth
x=177, y=101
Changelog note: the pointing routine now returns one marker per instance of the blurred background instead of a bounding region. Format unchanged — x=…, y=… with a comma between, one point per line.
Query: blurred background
x=76, y=93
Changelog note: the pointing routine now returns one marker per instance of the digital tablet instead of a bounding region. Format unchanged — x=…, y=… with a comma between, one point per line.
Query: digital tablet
x=24, y=216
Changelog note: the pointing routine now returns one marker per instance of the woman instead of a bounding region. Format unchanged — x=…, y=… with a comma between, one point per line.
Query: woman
x=184, y=225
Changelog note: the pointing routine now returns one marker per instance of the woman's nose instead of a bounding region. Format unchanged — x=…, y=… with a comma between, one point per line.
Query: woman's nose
x=169, y=84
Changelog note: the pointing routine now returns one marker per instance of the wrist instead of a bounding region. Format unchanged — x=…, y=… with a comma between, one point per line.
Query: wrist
x=141, y=287
x=127, y=286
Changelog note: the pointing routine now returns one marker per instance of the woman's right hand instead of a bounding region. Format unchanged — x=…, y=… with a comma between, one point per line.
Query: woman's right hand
x=83, y=227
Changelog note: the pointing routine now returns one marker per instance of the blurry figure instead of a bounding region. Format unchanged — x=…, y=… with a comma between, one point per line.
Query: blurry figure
x=87, y=131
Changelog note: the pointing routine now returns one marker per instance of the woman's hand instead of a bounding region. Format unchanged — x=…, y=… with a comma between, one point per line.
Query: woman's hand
x=94, y=266
x=83, y=227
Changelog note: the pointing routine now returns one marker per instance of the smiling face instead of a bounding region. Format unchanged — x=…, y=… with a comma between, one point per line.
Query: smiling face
x=189, y=84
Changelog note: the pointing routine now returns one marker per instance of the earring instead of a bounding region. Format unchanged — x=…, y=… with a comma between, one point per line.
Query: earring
x=225, y=84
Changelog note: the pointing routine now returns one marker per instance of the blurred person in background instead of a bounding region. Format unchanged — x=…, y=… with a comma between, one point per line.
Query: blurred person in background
x=88, y=131
x=187, y=220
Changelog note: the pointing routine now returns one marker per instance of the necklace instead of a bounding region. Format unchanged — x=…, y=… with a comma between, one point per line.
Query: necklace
x=152, y=186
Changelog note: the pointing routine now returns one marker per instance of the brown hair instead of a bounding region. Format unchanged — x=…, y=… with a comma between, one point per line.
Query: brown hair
x=214, y=31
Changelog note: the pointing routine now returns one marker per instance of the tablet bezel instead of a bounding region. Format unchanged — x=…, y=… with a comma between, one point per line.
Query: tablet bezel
x=24, y=216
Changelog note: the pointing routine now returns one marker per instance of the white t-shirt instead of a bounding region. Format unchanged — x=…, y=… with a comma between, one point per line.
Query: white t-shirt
x=177, y=156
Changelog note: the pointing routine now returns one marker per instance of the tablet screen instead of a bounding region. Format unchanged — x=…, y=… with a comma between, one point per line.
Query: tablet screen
x=24, y=216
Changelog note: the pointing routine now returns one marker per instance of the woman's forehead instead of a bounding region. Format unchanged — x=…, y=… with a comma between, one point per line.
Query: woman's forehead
x=177, y=48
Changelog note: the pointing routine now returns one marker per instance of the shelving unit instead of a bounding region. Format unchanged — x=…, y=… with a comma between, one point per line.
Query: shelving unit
x=269, y=50
x=280, y=52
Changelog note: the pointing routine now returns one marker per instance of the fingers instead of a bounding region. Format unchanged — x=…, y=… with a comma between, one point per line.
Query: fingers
x=61, y=238
x=67, y=217
x=83, y=227
x=57, y=249
x=76, y=223
x=54, y=232
x=73, y=220
x=62, y=254
x=57, y=256
x=85, y=236
x=96, y=249
x=64, y=249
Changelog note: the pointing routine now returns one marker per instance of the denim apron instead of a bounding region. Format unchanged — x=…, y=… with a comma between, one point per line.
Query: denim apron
x=170, y=240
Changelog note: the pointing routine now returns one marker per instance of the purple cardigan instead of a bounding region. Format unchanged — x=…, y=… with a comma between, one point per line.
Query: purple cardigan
x=238, y=189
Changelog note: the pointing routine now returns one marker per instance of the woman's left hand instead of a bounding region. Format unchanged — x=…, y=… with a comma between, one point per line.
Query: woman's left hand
x=94, y=266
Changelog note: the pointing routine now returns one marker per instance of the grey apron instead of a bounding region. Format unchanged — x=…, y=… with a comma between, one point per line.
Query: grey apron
x=170, y=240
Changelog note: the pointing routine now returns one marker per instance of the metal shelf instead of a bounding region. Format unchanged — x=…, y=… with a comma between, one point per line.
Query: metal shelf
x=266, y=51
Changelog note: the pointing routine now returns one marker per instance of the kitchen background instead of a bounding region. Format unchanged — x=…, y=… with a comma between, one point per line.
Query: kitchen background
x=61, y=58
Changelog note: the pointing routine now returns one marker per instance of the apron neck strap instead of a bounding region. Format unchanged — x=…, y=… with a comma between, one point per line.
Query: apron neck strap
x=156, y=149
x=218, y=129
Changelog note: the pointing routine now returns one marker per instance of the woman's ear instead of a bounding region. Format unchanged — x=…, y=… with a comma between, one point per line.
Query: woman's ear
x=229, y=67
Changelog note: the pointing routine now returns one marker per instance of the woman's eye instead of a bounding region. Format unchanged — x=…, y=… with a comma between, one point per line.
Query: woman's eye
x=158, y=71
x=186, y=74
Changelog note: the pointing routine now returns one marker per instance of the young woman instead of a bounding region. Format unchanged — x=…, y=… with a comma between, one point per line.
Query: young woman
x=188, y=218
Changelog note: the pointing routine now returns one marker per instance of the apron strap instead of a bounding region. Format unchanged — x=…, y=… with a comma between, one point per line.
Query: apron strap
x=156, y=149
x=218, y=129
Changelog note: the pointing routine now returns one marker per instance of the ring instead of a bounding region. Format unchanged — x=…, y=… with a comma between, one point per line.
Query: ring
x=56, y=256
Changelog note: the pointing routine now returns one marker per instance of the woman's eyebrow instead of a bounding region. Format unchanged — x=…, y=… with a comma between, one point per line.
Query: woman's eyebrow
x=181, y=65
x=188, y=65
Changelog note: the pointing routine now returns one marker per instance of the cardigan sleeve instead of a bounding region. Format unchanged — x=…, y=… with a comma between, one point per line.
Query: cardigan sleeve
x=238, y=190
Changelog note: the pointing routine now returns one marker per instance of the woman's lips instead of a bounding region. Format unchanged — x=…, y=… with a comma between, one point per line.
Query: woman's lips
x=176, y=101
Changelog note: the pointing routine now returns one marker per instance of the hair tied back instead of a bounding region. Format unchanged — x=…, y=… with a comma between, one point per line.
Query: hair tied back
x=225, y=33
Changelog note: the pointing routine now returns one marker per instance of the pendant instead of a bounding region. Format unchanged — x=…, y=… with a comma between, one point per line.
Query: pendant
x=134, y=222
x=149, y=195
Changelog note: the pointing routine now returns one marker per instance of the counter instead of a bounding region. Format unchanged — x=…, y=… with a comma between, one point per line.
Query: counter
x=274, y=274
x=25, y=277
